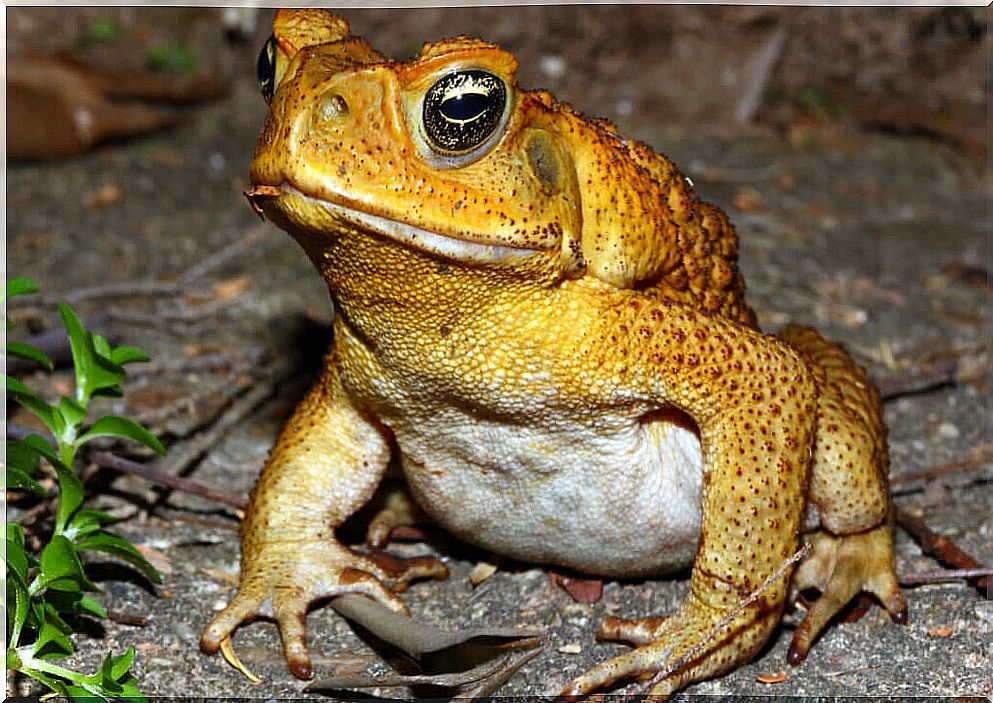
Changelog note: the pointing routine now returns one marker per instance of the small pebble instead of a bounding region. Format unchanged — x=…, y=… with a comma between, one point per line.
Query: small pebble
x=553, y=66
x=947, y=430
x=572, y=648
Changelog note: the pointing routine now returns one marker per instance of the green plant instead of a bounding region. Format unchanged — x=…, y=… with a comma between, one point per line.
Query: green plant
x=174, y=58
x=49, y=590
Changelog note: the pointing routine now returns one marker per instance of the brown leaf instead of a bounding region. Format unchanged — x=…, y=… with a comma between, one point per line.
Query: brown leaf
x=225, y=577
x=581, y=590
x=749, y=200
x=158, y=559
x=481, y=571
x=777, y=677
x=967, y=274
x=106, y=195
x=231, y=287
x=941, y=631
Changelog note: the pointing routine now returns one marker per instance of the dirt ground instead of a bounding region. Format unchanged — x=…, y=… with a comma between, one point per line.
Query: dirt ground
x=861, y=195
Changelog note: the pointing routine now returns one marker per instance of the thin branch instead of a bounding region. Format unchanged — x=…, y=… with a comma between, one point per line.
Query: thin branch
x=220, y=257
x=900, y=386
x=942, y=548
x=123, y=289
x=127, y=618
x=919, y=577
x=198, y=364
x=129, y=289
x=161, y=478
x=943, y=470
x=731, y=615
x=762, y=67
x=183, y=456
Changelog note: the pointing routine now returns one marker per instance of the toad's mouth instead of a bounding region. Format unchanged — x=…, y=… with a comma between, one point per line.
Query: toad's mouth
x=441, y=245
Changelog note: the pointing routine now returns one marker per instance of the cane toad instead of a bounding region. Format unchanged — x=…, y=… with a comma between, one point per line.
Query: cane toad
x=548, y=328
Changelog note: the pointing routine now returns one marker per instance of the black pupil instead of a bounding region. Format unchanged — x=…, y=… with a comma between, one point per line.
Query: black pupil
x=265, y=69
x=462, y=110
x=465, y=107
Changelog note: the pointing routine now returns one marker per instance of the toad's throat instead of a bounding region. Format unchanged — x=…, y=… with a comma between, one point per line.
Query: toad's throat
x=440, y=245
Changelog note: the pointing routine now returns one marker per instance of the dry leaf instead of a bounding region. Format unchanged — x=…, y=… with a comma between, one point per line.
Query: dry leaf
x=225, y=577
x=198, y=349
x=158, y=559
x=481, y=571
x=105, y=195
x=581, y=590
x=571, y=648
x=748, y=200
x=941, y=631
x=227, y=289
x=777, y=677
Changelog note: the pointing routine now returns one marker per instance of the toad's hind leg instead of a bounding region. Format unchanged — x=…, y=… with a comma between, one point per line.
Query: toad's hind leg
x=853, y=551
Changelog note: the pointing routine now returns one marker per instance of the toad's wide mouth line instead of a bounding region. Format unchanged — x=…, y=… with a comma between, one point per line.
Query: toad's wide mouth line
x=414, y=237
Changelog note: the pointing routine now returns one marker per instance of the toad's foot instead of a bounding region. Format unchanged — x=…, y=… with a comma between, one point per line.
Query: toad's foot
x=690, y=632
x=281, y=579
x=397, y=511
x=841, y=567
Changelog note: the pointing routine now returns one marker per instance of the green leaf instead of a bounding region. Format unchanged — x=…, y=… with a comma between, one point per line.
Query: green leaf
x=172, y=59
x=101, y=346
x=61, y=569
x=17, y=594
x=109, y=543
x=86, y=522
x=121, y=664
x=89, y=606
x=70, y=498
x=38, y=444
x=93, y=373
x=20, y=285
x=102, y=30
x=127, y=355
x=22, y=461
x=114, y=426
x=45, y=412
x=72, y=412
x=17, y=558
x=22, y=455
x=49, y=681
x=96, y=517
x=76, y=603
x=26, y=351
x=15, y=533
x=52, y=639
x=20, y=480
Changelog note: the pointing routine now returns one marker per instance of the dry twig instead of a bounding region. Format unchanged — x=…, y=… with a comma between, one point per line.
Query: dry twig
x=942, y=548
x=162, y=478
x=919, y=577
x=980, y=457
x=429, y=646
x=731, y=615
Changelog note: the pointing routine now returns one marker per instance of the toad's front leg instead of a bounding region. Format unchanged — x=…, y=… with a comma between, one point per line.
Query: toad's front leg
x=754, y=402
x=326, y=464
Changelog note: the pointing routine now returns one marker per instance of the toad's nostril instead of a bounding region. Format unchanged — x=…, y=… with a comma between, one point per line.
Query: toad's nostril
x=331, y=105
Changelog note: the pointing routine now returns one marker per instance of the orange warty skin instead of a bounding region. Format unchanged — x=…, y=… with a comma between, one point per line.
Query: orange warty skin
x=549, y=330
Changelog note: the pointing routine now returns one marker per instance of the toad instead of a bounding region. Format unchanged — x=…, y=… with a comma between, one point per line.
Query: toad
x=547, y=328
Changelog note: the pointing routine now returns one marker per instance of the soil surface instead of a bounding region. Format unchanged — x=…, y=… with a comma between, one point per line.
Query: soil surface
x=862, y=204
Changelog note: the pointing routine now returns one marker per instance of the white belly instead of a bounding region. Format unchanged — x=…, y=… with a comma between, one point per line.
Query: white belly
x=622, y=500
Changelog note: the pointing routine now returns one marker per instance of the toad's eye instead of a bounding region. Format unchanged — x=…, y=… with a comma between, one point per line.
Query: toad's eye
x=462, y=109
x=266, y=69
